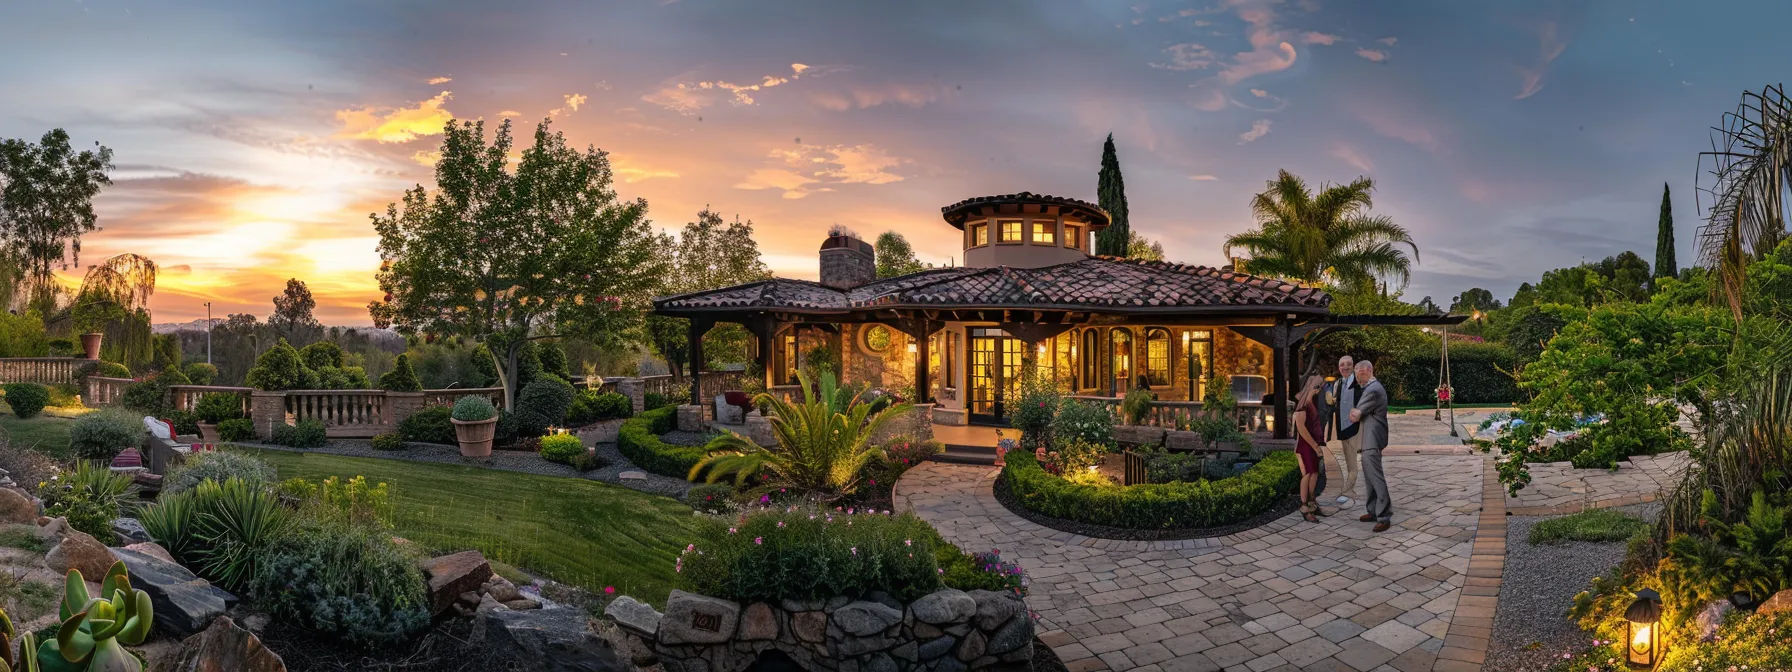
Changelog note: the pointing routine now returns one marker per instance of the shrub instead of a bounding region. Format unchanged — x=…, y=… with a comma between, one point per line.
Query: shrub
x=1073, y=456
x=185, y=422
x=27, y=399
x=1036, y=409
x=220, y=530
x=63, y=347
x=506, y=433
x=218, y=466
x=239, y=429
x=101, y=434
x=217, y=407
x=65, y=395
x=980, y=571
x=402, y=377
x=112, y=370
x=562, y=448
x=339, y=378
x=308, y=433
x=588, y=461
x=350, y=502
x=1590, y=525
x=277, y=369
x=200, y=373
x=350, y=582
x=542, y=404
x=148, y=396
x=653, y=400
x=711, y=498
x=639, y=441
x=429, y=425
x=320, y=355
x=823, y=444
x=774, y=555
x=553, y=360
x=1085, y=421
x=1154, y=506
x=388, y=441
x=87, y=496
x=591, y=407
x=473, y=408
x=1480, y=373
x=1136, y=406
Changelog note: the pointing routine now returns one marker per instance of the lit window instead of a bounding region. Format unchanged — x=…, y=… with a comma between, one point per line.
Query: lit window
x=1091, y=347
x=1157, y=357
x=1045, y=232
x=1010, y=231
x=979, y=235
x=789, y=359
x=1073, y=236
x=1122, y=356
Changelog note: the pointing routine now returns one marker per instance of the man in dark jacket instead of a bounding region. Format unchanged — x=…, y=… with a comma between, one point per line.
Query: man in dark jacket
x=1341, y=395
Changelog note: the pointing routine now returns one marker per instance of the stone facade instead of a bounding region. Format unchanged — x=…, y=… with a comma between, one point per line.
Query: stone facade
x=847, y=262
x=946, y=631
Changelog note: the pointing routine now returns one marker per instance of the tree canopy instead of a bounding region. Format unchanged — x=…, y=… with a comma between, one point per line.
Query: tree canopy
x=509, y=255
x=1327, y=237
x=709, y=254
x=293, y=319
x=1140, y=247
x=1110, y=190
x=1474, y=299
x=46, y=203
x=1665, y=264
x=895, y=257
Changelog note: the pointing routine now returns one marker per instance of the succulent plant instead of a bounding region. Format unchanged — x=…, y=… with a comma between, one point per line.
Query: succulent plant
x=95, y=629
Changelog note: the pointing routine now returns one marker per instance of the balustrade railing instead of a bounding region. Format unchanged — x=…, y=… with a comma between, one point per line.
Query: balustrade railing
x=345, y=413
x=447, y=397
x=104, y=391
x=186, y=397
x=42, y=370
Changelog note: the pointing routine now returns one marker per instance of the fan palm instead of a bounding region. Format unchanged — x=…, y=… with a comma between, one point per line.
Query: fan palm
x=823, y=443
x=1328, y=237
x=1751, y=166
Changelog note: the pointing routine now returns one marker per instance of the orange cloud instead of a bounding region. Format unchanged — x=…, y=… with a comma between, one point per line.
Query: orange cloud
x=433, y=81
x=815, y=168
x=683, y=95
x=1373, y=55
x=401, y=124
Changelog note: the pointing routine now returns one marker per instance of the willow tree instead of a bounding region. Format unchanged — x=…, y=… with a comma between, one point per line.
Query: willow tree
x=1327, y=237
x=507, y=256
x=1750, y=165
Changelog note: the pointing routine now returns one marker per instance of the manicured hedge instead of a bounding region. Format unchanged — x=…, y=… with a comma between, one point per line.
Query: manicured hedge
x=1478, y=372
x=639, y=441
x=1166, y=506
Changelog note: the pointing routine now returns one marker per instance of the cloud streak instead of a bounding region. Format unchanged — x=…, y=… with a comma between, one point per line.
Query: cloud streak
x=1550, y=45
x=394, y=125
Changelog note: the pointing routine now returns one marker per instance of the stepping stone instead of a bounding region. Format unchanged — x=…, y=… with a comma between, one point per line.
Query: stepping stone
x=633, y=476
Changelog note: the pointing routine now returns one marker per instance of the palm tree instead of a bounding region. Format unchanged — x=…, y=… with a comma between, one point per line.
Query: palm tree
x=1751, y=166
x=824, y=443
x=1324, y=238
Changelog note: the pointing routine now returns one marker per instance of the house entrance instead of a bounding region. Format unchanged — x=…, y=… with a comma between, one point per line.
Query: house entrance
x=994, y=374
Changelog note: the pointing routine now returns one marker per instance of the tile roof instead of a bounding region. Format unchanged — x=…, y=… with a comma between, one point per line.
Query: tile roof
x=1095, y=283
x=956, y=213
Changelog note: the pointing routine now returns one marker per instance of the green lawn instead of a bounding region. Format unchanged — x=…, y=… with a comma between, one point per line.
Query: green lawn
x=574, y=531
x=44, y=434
x=1589, y=525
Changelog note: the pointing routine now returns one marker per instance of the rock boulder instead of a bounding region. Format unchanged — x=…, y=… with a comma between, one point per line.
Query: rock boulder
x=151, y=549
x=551, y=640
x=451, y=575
x=15, y=507
x=1781, y=601
x=129, y=531
x=698, y=619
x=224, y=646
x=1712, y=617
x=944, y=607
x=863, y=618
x=184, y=603
x=634, y=615
x=79, y=550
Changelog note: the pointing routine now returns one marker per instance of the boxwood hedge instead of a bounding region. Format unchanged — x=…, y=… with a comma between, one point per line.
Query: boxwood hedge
x=639, y=441
x=1166, y=506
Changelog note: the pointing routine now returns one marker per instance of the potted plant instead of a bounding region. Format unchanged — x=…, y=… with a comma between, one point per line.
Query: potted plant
x=90, y=315
x=215, y=408
x=475, y=423
x=1135, y=409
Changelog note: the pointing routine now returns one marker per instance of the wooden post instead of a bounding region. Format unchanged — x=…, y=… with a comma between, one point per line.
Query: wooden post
x=699, y=327
x=1281, y=389
x=923, y=352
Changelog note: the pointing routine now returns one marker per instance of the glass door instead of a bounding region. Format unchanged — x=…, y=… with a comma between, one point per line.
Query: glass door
x=994, y=374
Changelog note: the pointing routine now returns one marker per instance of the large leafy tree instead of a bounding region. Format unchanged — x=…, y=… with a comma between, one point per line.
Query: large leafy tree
x=895, y=257
x=1327, y=237
x=1140, y=247
x=293, y=319
x=1665, y=264
x=1110, y=190
x=709, y=254
x=46, y=204
x=1475, y=298
x=507, y=256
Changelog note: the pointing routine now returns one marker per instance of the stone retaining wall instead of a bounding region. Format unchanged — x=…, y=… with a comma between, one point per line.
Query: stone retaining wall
x=946, y=631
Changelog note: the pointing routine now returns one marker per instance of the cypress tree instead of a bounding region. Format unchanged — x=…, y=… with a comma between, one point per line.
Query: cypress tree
x=1111, y=192
x=1665, y=266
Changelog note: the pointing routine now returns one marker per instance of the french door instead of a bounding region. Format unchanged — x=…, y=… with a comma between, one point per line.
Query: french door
x=994, y=374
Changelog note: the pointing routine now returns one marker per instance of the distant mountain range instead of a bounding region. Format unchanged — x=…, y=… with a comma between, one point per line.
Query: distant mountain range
x=199, y=325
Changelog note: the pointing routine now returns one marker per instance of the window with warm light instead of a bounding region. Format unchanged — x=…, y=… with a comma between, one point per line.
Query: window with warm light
x=1010, y=230
x=1122, y=355
x=787, y=365
x=979, y=234
x=1045, y=232
x=1090, y=348
x=1157, y=357
x=1073, y=236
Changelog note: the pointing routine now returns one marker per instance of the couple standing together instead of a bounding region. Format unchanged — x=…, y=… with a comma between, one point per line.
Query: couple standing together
x=1354, y=408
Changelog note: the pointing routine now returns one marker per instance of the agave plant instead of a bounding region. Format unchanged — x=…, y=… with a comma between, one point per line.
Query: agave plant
x=823, y=443
x=94, y=630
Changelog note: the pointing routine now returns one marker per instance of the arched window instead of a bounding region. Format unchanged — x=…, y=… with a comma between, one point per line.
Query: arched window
x=1157, y=356
x=1091, y=359
x=1121, y=342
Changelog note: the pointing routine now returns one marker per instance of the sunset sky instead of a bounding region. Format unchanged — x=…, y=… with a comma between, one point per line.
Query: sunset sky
x=253, y=139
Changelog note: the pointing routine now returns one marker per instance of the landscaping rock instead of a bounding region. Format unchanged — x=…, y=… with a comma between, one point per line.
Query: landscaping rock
x=1016, y=634
x=698, y=619
x=151, y=549
x=937, y=647
x=973, y=647
x=129, y=531
x=50, y=529
x=224, y=646
x=634, y=615
x=994, y=609
x=79, y=550
x=810, y=626
x=502, y=590
x=1781, y=601
x=551, y=640
x=15, y=507
x=633, y=475
x=945, y=606
x=1712, y=617
x=522, y=604
x=759, y=622
x=864, y=619
x=487, y=604
x=451, y=575
x=184, y=603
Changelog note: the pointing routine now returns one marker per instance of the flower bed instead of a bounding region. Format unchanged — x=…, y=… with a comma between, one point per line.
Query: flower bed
x=1167, y=506
x=639, y=441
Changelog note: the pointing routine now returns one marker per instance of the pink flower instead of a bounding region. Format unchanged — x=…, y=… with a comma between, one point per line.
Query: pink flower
x=731, y=530
x=855, y=550
x=609, y=590
x=908, y=542
x=780, y=523
x=759, y=540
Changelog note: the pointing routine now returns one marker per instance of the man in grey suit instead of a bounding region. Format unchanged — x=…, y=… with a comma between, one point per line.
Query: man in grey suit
x=1371, y=413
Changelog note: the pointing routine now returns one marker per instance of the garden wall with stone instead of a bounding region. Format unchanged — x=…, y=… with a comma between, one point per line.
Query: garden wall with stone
x=946, y=631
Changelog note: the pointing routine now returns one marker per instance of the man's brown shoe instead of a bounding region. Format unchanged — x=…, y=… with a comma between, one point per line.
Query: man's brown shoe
x=1381, y=527
x=1366, y=518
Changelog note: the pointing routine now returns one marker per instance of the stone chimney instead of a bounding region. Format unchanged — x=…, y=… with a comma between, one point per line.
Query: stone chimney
x=846, y=261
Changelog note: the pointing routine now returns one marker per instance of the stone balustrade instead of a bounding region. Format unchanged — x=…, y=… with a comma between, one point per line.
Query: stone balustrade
x=42, y=370
x=946, y=631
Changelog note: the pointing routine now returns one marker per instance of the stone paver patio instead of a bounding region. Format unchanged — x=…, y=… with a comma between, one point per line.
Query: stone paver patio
x=1558, y=487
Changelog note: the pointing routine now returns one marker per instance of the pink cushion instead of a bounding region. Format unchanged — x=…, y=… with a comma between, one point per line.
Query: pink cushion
x=129, y=457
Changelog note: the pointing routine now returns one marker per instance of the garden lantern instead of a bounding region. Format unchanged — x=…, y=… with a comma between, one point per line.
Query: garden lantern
x=1642, y=648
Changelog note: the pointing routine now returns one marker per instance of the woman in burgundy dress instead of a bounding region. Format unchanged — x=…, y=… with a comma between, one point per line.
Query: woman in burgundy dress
x=1309, y=424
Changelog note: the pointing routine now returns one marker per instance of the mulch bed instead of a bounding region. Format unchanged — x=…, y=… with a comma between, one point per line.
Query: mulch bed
x=1288, y=505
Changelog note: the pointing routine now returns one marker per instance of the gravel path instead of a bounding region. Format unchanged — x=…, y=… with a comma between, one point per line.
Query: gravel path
x=509, y=460
x=1530, y=627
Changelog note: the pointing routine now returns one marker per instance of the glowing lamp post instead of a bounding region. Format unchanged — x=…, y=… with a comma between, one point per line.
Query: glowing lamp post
x=1642, y=648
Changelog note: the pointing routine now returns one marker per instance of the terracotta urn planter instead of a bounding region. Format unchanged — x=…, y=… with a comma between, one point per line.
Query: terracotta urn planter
x=475, y=436
x=209, y=433
x=90, y=345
